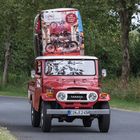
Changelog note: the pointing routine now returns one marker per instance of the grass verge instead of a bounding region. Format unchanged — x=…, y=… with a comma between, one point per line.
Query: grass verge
x=16, y=86
x=18, y=91
x=13, y=93
x=5, y=134
x=124, y=98
x=123, y=104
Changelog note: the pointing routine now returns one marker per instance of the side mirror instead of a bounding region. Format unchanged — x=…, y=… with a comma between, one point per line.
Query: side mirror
x=32, y=73
x=104, y=73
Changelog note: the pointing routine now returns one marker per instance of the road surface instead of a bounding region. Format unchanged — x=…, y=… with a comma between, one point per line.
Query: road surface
x=15, y=115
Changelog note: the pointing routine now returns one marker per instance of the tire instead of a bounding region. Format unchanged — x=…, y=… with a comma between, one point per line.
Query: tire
x=35, y=117
x=87, y=122
x=104, y=120
x=50, y=48
x=45, y=118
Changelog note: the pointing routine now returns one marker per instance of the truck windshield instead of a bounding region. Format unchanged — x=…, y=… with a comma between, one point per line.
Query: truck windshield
x=70, y=67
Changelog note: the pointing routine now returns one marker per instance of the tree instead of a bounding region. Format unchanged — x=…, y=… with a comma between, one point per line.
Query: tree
x=8, y=27
x=126, y=10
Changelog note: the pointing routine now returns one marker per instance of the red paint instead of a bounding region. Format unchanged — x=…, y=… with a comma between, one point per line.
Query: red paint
x=65, y=83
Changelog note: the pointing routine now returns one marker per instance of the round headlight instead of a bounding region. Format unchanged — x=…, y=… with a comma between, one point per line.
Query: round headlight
x=93, y=96
x=61, y=96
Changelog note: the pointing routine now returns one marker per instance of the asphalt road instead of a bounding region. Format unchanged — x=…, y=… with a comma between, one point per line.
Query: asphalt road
x=15, y=115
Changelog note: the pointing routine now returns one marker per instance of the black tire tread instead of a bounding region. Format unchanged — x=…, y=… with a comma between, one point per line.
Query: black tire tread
x=36, y=118
x=104, y=120
x=46, y=126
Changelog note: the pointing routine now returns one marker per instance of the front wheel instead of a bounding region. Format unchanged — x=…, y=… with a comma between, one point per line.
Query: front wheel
x=35, y=117
x=46, y=119
x=104, y=120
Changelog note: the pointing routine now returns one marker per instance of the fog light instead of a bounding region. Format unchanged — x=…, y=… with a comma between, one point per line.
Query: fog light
x=93, y=96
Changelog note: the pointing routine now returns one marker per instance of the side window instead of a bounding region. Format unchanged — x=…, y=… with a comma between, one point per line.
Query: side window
x=38, y=67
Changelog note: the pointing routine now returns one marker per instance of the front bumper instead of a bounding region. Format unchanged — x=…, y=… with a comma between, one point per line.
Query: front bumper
x=88, y=112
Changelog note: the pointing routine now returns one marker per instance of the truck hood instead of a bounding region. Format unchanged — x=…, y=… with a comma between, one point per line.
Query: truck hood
x=71, y=82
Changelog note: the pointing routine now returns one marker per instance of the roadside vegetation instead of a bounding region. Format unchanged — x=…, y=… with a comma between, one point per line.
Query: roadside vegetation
x=17, y=86
x=117, y=91
x=124, y=104
x=125, y=98
x=5, y=134
x=10, y=90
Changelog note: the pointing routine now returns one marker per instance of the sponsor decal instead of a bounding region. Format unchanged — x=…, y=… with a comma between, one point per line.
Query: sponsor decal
x=62, y=32
x=71, y=18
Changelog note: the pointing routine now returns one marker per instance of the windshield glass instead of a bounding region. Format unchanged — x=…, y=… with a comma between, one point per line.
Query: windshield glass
x=70, y=67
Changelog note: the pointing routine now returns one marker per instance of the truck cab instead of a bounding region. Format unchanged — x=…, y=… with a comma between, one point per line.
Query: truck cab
x=67, y=88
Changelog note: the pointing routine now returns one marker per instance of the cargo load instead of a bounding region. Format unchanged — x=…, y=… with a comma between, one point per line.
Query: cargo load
x=58, y=32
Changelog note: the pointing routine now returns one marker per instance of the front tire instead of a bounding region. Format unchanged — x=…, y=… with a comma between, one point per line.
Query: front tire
x=35, y=117
x=46, y=119
x=104, y=120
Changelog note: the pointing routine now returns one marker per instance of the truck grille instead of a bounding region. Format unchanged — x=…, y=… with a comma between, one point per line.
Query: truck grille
x=77, y=97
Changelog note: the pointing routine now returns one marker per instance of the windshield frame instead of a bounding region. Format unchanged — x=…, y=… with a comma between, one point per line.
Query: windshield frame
x=70, y=59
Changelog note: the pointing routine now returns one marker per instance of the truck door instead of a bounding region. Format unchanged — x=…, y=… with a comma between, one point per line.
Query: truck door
x=38, y=85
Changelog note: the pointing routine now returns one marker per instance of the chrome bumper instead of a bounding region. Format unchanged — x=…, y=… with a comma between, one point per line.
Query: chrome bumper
x=88, y=111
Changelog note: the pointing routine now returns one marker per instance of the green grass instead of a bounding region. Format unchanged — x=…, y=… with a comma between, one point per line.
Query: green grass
x=5, y=134
x=14, y=94
x=116, y=90
x=17, y=85
x=123, y=104
x=125, y=98
x=10, y=90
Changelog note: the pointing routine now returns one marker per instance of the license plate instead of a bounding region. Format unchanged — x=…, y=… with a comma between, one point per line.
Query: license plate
x=78, y=113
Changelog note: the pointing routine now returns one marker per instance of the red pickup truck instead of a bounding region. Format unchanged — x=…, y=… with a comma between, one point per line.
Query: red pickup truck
x=67, y=88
